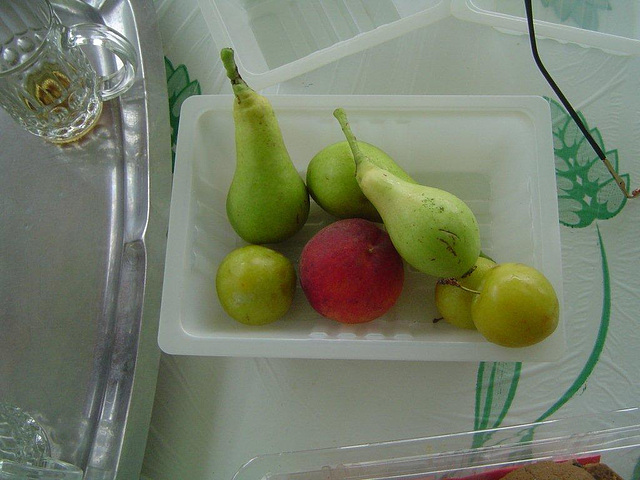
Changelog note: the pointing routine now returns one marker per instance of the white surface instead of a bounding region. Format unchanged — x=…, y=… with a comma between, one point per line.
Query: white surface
x=618, y=29
x=495, y=153
x=212, y=414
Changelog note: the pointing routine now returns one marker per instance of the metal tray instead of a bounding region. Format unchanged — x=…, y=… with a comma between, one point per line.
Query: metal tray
x=81, y=258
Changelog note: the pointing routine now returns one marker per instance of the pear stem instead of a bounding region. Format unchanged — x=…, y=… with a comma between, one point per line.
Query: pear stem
x=237, y=82
x=455, y=283
x=341, y=115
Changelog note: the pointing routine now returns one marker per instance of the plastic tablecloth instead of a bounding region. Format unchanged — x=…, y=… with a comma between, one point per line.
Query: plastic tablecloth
x=212, y=415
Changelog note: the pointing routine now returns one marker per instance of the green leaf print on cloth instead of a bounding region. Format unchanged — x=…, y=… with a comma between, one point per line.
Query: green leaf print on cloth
x=179, y=87
x=586, y=193
x=586, y=190
x=496, y=386
x=636, y=471
x=583, y=13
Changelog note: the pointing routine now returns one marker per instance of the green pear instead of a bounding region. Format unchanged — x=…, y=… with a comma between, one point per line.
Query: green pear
x=267, y=201
x=433, y=230
x=331, y=180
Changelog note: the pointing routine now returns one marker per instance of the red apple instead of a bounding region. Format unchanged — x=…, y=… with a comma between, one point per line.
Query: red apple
x=350, y=271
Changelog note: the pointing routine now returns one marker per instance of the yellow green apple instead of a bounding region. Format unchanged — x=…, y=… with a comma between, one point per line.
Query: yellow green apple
x=255, y=284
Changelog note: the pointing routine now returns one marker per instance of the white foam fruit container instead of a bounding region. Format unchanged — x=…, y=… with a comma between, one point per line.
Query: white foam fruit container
x=494, y=152
x=610, y=25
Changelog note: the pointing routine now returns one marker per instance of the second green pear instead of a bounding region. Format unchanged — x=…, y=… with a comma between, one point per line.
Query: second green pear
x=432, y=229
x=331, y=180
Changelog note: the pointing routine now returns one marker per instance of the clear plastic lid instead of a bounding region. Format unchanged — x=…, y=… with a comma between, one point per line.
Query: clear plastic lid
x=610, y=25
x=276, y=40
x=612, y=438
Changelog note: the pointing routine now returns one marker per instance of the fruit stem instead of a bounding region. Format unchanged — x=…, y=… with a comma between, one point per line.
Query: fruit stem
x=237, y=82
x=455, y=283
x=341, y=115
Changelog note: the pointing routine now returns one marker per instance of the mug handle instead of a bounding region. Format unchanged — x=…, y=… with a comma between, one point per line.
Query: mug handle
x=99, y=35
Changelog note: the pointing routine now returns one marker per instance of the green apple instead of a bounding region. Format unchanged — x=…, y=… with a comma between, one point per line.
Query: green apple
x=517, y=306
x=454, y=303
x=255, y=284
x=331, y=180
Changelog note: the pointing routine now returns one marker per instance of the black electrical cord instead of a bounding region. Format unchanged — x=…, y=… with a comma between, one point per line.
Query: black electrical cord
x=567, y=104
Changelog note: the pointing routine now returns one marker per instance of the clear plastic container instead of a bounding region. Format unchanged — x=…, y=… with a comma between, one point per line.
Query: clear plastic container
x=494, y=152
x=611, y=438
x=276, y=40
x=611, y=25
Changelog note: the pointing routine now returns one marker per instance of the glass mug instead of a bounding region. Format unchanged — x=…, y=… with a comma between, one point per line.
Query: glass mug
x=25, y=450
x=47, y=83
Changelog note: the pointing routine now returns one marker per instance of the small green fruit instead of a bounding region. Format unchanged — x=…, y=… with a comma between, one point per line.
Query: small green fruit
x=255, y=284
x=517, y=306
x=331, y=180
x=454, y=303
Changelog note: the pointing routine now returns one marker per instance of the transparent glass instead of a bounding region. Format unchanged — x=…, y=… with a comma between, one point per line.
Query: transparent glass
x=21, y=438
x=48, y=469
x=25, y=450
x=47, y=83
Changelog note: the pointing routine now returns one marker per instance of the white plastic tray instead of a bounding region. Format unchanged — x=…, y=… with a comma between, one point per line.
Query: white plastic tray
x=495, y=152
